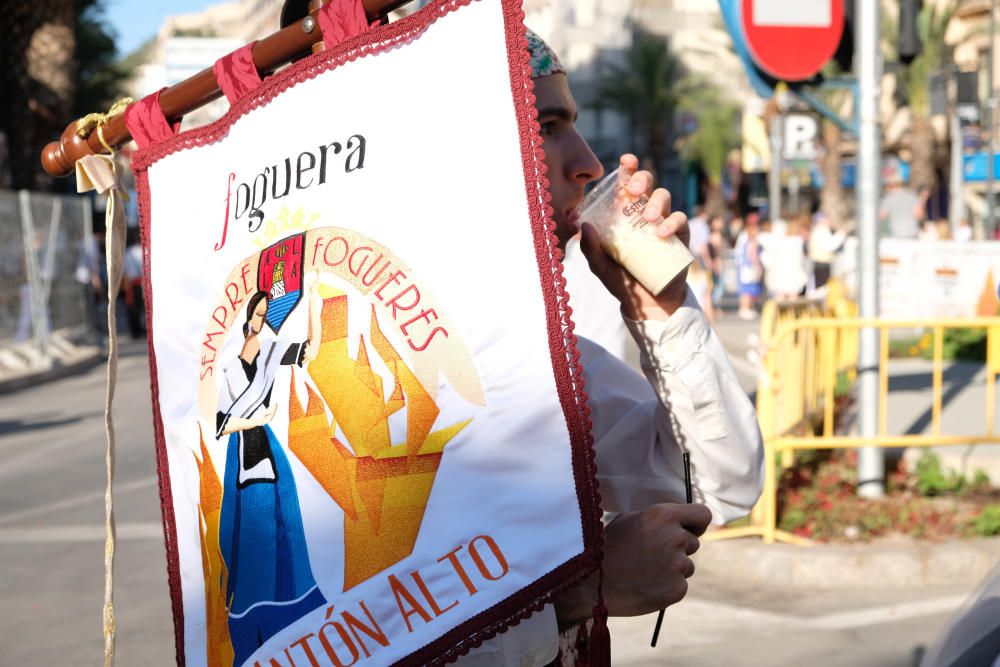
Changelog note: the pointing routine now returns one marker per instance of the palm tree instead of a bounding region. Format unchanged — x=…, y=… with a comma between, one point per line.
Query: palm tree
x=913, y=86
x=831, y=195
x=36, y=75
x=646, y=89
x=100, y=75
x=55, y=64
x=717, y=133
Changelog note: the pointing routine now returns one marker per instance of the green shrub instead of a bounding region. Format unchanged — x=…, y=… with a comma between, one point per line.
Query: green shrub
x=793, y=518
x=987, y=524
x=844, y=385
x=980, y=482
x=967, y=344
x=932, y=479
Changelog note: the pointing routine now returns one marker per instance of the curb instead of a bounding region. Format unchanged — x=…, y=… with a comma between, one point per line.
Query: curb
x=892, y=565
x=58, y=370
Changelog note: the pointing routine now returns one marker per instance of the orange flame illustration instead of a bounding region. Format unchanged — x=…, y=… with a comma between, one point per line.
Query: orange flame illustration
x=220, y=648
x=382, y=487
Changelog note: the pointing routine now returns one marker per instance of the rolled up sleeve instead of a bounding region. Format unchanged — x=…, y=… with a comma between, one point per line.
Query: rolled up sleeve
x=690, y=401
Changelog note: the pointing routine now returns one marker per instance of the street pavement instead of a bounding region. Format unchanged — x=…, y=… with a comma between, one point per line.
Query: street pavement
x=52, y=537
x=963, y=411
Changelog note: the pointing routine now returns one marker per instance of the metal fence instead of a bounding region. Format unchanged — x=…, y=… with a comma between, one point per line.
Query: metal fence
x=48, y=260
x=809, y=349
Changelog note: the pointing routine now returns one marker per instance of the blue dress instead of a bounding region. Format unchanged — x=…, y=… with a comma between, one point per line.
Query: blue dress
x=270, y=583
x=748, y=273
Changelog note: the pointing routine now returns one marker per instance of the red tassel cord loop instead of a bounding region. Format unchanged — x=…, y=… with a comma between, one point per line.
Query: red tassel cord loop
x=599, y=644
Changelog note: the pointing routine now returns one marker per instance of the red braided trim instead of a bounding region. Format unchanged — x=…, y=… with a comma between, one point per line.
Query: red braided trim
x=567, y=371
x=160, y=443
x=339, y=21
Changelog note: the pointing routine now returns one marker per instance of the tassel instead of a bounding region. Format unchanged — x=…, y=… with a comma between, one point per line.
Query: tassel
x=599, y=644
x=599, y=640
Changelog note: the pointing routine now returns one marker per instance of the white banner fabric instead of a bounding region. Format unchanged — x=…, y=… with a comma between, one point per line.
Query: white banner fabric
x=370, y=426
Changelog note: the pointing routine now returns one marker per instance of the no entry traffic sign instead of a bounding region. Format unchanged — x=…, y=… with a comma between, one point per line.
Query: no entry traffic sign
x=792, y=39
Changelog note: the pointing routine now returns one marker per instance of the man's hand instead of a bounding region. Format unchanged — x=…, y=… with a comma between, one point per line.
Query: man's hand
x=637, y=302
x=646, y=563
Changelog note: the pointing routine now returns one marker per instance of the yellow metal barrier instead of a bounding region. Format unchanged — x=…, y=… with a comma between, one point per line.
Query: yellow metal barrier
x=807, y=349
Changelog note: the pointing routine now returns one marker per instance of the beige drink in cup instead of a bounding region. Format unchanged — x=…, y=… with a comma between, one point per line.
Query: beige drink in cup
x=629, y=238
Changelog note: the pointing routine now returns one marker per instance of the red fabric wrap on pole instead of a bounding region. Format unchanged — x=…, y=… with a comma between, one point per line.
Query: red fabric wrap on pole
x=146, y=122
x=340, y=20
x=236, y=73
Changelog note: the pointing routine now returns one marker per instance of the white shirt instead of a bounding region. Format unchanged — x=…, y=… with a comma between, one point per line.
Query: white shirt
x=700, y=234
x=823, y=243
x=591, y=302
x=689, y=400
x=784, y=261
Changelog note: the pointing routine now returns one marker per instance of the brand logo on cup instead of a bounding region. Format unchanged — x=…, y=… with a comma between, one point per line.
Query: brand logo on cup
x=635, y=207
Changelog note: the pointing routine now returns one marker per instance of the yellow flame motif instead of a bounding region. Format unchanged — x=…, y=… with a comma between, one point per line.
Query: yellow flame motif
x=382, y=487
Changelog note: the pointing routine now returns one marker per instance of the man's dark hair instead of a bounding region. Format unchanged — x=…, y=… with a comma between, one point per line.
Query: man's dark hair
x=251, y=307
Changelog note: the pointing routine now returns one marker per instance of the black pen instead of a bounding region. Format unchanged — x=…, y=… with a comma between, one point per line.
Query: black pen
x=688, y=498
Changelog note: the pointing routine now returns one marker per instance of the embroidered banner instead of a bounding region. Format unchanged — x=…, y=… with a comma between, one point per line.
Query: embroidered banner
x=370, y=424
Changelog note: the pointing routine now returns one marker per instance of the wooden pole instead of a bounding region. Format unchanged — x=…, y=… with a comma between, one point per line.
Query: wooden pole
x=59, y=157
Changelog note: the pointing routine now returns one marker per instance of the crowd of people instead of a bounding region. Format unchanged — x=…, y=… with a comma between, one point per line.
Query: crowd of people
x=782, y=260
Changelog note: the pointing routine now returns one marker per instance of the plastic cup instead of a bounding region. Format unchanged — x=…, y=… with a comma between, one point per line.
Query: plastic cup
x=631, y=240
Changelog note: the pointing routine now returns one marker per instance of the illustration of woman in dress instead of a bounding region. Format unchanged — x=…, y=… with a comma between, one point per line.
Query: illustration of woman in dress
x=270, y=582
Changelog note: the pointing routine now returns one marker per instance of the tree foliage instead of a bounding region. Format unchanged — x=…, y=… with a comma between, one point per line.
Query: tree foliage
x=100, y=77
x=56, y=63
x=646, y=89
x=717, y=132
x=913, y=82
x=935, y=56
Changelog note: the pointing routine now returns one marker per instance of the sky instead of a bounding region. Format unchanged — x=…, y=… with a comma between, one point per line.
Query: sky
x=135, y=21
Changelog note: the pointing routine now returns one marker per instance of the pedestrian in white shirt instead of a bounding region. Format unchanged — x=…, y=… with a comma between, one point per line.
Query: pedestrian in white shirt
x=688, y=401
x=823, y=244
x=700, y=236
x=784, y=262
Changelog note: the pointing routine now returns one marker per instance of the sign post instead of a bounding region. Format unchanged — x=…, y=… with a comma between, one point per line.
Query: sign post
x=774, y=178
x=800, y=147
x=871, y=460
